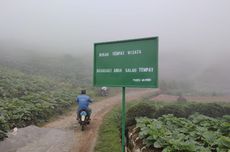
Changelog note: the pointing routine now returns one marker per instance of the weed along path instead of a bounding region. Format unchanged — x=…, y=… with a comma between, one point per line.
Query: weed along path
x=64, y=134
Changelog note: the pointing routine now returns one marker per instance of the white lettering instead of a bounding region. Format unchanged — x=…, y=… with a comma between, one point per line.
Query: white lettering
x=117, y=53
x=146, y=69
x=104, y=70
x=130, y=70
x=146, y=80
x=117, y=70
x=136, y=80
x=134, y=52
x=103, y=54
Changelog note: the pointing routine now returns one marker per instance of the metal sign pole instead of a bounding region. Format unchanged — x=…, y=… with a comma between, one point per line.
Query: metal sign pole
x=123, y=119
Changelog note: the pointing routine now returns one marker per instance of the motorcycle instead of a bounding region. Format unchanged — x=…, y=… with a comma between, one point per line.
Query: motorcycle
x=84, y=119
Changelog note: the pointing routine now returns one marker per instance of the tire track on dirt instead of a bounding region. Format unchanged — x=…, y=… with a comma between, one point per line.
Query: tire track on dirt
x=84, y=141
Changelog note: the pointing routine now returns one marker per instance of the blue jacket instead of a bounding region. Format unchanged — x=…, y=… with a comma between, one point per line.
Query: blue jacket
x=83, y=101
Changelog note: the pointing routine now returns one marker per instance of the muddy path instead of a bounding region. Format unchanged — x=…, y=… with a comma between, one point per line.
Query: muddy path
x=85, y=141
x=64, y=134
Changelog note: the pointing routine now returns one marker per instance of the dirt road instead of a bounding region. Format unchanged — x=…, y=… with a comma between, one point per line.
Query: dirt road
x=64, y=134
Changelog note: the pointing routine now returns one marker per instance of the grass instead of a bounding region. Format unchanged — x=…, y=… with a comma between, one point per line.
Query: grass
x=109, y=136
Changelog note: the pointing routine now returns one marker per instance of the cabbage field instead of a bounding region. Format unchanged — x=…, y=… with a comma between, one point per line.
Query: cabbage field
x=197, y=133
x=30, y=99
x=179, y=127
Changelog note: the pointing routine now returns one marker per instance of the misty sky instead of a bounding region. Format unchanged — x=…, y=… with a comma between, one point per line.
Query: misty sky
x=192, y=33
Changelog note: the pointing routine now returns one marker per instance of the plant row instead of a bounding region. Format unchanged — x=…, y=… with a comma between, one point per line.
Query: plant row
x=197, y=133
x=27, y=99
x=156, y=109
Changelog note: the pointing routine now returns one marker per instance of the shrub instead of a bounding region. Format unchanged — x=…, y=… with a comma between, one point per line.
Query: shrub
x=185, y=110
x=176, y=110
x=139, y=110
x=209, y=109
x=3, y=128
x=227, y=110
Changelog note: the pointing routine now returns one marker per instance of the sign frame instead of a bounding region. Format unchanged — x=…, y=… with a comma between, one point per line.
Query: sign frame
x=129, y=41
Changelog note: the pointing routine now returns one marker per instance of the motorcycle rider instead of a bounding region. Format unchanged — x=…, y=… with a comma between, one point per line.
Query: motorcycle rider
x=83, y=102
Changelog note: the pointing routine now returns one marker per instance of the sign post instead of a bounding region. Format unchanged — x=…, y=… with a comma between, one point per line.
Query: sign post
x=126, y=63
x=123, y=120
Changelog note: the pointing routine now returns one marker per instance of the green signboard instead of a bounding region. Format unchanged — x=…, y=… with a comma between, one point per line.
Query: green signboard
x=128, y=63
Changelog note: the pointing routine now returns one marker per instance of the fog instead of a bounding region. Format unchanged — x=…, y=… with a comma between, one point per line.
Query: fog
x=193, y=35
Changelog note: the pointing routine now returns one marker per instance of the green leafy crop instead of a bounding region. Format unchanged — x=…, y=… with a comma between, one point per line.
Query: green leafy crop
x=29, y=99
x=198, y=133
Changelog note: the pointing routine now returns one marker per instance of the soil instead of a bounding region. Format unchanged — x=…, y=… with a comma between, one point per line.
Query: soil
x=64, y=134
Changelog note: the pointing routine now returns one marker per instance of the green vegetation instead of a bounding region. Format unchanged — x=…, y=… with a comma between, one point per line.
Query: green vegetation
x=187, y=127
x=3, y=128
x=139, y=110
x=171, y=126
x=109, y=135
x=186, y=109
x=152, y=109
x=195, y=134
x=27, y=99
